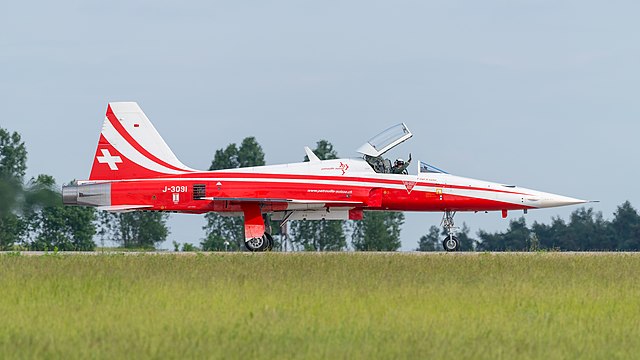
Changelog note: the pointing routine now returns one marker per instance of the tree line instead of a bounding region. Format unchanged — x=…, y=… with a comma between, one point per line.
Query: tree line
x=586, y=230
x=32, y=217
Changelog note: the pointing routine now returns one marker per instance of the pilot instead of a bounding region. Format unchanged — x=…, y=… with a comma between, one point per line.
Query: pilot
x=400, y=166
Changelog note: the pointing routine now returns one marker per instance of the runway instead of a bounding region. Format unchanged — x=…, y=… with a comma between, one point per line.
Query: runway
x=315, y=253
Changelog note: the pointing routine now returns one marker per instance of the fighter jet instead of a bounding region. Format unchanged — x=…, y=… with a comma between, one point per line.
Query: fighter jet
x=134, y=169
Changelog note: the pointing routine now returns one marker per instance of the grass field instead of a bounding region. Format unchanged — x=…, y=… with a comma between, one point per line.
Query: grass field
x=349, y=305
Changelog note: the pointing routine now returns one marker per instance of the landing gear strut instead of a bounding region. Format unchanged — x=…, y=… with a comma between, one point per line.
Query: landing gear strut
x=450, y=243
x=265, y=242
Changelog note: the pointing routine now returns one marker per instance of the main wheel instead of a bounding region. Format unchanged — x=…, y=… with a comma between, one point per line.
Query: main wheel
x=451, y=243
x=269, y=241
x=256, y=244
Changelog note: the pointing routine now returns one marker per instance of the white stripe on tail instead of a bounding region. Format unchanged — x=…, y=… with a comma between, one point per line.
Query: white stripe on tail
x=130, y=147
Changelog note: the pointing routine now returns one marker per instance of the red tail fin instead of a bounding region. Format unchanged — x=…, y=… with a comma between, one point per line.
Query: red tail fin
x=130, y=147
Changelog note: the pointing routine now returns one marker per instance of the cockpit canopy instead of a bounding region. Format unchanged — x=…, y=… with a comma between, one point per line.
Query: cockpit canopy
x=386, y=140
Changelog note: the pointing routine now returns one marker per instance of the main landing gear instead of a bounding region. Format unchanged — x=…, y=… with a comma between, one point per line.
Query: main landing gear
x=450, y=243
x=264, y=243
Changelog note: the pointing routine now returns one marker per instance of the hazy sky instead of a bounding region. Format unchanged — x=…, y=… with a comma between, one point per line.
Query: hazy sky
x=542, y=94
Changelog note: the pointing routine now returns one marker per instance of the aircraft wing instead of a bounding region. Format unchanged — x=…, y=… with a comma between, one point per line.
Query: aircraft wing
x=292, y=201
x=124, y=208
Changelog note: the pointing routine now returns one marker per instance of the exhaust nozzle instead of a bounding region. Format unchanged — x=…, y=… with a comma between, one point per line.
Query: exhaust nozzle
x=70, y=195
x=87, y=194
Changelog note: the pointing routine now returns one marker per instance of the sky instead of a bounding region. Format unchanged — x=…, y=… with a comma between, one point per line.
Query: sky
x=541, y=94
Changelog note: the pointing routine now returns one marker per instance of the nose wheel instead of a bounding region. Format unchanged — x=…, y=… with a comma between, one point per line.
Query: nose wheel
x=451, y=242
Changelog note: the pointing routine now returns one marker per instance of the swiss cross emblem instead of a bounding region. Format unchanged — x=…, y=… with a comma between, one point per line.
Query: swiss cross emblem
x=109, y=159
x=409, y=185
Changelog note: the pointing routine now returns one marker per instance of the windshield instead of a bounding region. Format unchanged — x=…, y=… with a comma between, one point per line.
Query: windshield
x=386, y=140
x=426, y=168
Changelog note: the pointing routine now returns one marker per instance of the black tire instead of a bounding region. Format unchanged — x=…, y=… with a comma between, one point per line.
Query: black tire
x=451, y=243
x=269, y=241
x=256, y=244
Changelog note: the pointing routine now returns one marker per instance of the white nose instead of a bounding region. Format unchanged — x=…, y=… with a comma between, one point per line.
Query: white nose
x=552, y=200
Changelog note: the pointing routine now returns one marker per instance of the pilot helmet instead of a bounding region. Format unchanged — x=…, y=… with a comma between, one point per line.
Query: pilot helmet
x=399, y=161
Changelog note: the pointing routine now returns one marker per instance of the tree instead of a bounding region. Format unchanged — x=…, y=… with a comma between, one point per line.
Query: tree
x=224, y=228
x=466, y=243
x=13, y=164
x=221, y=228
x=551, y=237
x=323, y=235
x=50, y=225
x=28, y=213
x=11, y=228
x=587, y=231
x=431, y=241
x=13, y=156
x=225, y=158
x=136, y=229
x=11, y=225
x=65, y=228
x=319, y=235
x=625, y=228
x=378, y=231
x=516, y=238
x=250, y=153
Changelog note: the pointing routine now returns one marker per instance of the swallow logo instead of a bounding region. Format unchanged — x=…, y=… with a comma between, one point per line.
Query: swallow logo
x=409, y=185
x=344, y=167
x=109, y=159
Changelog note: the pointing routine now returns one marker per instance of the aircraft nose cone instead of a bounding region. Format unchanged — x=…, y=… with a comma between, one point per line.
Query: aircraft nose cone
x=552, y=200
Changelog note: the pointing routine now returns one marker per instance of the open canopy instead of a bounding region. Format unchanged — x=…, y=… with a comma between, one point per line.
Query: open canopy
x=386, y=140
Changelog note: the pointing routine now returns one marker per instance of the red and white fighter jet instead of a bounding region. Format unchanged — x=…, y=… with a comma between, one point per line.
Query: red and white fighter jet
x=134, y=169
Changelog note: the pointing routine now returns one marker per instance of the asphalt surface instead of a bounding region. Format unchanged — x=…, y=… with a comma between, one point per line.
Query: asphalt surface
x=311, y=253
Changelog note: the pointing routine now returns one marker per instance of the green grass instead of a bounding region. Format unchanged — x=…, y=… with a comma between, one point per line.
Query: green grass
x=505, y=306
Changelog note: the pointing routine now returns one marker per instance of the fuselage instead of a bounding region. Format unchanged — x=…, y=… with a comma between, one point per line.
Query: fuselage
x=340, y=183
x=134, y=169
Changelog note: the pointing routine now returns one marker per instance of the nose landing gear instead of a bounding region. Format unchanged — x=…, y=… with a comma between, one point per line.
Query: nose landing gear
x=451, y=242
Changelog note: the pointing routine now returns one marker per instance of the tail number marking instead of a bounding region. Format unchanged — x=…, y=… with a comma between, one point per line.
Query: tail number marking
x=175, y=189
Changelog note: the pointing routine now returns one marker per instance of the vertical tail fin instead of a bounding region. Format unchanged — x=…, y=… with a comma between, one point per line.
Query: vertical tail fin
x=130, y=147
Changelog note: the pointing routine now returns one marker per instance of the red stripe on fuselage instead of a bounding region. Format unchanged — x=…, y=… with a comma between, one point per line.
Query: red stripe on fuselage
x=156, y=194
x=211, y=176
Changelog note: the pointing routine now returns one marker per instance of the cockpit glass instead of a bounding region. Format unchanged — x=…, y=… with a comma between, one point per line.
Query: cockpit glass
x=388, y=136
x=426, y=168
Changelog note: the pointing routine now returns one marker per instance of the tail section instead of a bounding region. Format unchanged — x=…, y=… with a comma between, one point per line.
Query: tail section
x=130, y=147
